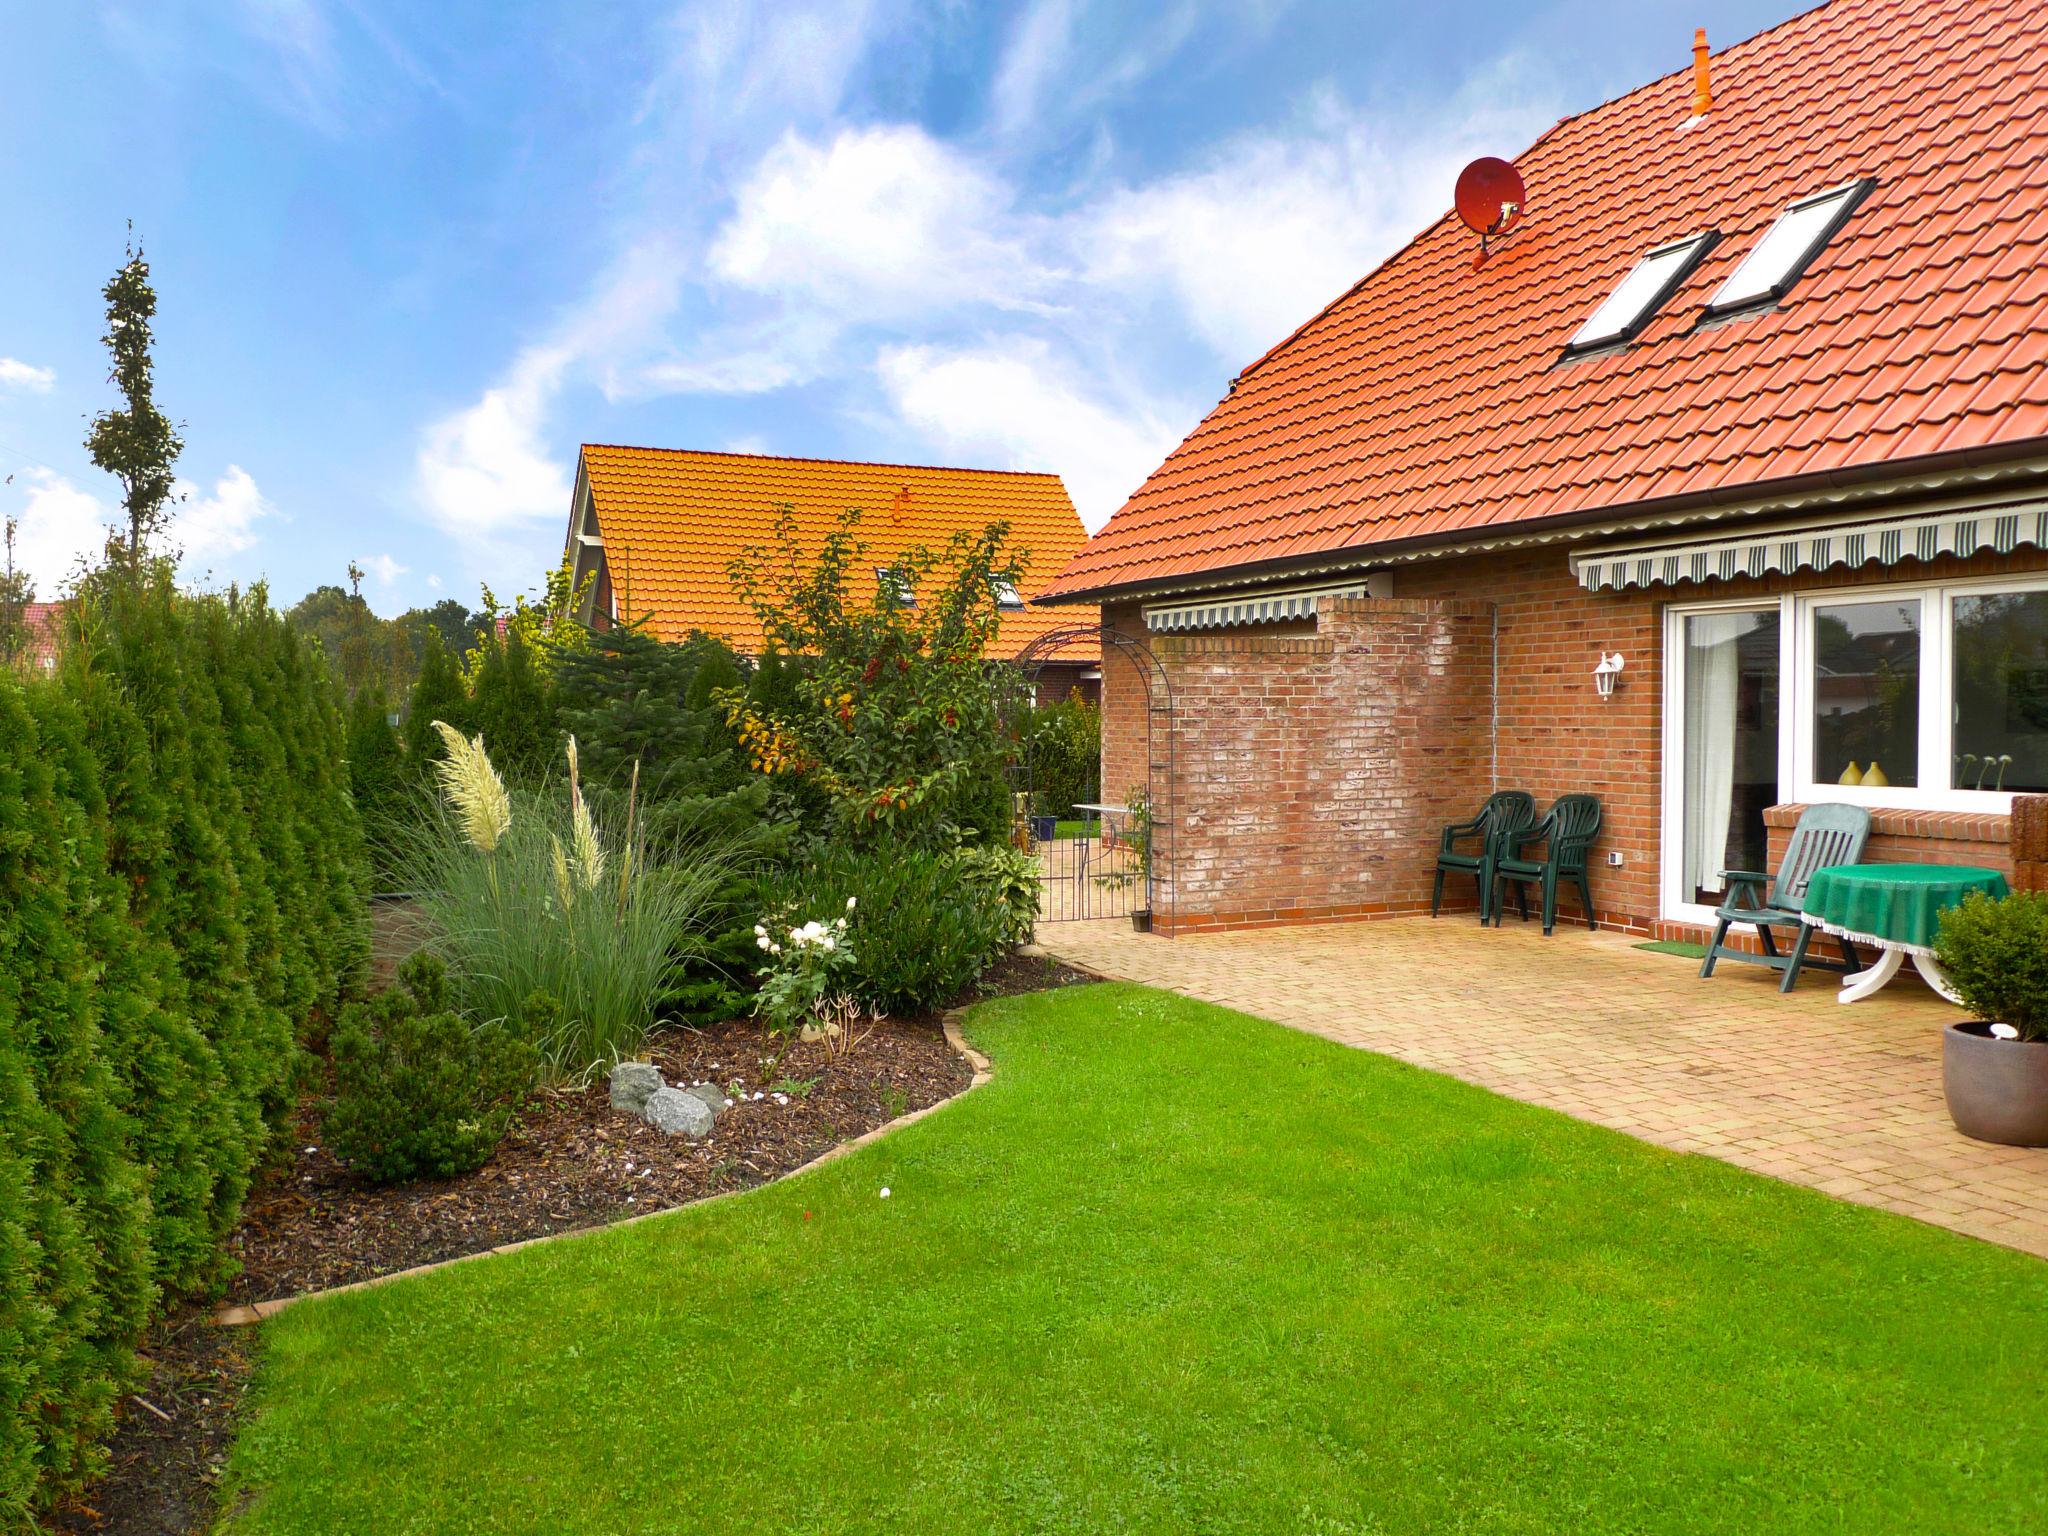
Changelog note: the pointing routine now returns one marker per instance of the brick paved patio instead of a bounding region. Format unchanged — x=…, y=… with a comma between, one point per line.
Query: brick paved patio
x=1844, y=1099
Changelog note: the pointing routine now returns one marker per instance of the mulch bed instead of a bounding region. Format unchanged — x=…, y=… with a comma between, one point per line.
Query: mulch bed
x=570, y=1161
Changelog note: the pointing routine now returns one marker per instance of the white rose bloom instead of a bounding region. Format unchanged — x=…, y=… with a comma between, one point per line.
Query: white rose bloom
x=829, y=945
x=849, y=903
x=764, y=941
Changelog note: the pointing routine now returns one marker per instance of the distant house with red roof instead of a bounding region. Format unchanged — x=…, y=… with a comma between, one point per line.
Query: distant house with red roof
x=655, y=529
x=1749, y=400
x=39, y=634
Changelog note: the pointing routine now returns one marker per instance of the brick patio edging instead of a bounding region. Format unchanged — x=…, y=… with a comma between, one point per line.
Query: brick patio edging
x=242, y=1315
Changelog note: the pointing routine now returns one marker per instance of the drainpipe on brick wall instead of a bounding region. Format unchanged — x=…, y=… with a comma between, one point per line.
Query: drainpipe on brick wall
x=1493, y=730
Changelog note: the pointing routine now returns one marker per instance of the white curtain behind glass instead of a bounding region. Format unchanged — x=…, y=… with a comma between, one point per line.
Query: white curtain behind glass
x=1712, y=673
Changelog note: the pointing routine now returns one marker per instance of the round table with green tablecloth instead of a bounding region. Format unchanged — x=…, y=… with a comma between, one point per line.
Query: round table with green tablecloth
x=1896, y=908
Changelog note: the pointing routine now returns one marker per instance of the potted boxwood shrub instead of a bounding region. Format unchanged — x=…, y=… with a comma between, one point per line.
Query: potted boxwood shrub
x=1994, y=1065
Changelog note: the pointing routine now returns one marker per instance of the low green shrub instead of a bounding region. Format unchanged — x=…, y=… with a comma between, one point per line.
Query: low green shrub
x=419, y=1091
x=920, y=934
x=1005, y=877
x=1995, y=954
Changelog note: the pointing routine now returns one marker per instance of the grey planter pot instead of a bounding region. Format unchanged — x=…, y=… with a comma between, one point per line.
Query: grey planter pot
x=1997, y=1089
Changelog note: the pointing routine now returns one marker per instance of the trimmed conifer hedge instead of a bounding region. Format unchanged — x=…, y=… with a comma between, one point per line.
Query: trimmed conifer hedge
x=181, y=899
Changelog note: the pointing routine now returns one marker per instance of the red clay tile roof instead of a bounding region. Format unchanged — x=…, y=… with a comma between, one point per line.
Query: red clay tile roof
x=672, y=519
x=1429, y=399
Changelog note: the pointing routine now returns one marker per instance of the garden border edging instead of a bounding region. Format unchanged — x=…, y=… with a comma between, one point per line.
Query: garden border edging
x=243, y=1314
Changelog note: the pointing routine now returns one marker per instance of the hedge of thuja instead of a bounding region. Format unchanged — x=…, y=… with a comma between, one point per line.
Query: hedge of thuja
x=181, y=881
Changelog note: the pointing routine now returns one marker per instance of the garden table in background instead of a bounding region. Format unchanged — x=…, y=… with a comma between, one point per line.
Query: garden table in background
x=1108, y=821
x=1896, y=908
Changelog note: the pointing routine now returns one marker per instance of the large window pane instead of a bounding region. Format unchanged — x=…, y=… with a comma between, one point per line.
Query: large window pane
x=1866, y=692
x=1731, y=745
x=2001, y=699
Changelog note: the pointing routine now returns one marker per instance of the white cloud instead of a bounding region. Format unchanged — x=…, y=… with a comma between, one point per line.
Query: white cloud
x=223, y=523
x=434, y=582
x=62, y=523
x=60, y=526
x=489, y=470
x=384, y=569
x=1275, y=226
x=15, y=374
x=487, y=466
x=1035, y=59
x=881, y=221
x=1014, y=402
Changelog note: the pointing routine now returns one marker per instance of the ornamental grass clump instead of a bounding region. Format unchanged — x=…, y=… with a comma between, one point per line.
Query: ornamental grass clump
x=534, y=896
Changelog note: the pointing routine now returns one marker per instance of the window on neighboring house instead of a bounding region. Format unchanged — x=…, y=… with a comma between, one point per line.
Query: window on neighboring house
x=1788, y=247
x=1006, y=594
x=1925, y=695
x=896, y=590
x=1635, y=302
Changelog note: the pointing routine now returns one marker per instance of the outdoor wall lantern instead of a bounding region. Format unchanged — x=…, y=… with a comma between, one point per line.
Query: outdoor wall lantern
x=1605, y=674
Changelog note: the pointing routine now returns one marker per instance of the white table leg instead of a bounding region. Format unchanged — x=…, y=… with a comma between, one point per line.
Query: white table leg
x=1860, y=984
x=1931, y=973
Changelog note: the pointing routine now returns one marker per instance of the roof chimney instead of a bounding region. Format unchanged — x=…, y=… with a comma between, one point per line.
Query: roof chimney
x=1702, y=85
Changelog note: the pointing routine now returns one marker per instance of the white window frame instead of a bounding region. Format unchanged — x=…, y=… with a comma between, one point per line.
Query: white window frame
x=1674, y=901
x=1937, y=695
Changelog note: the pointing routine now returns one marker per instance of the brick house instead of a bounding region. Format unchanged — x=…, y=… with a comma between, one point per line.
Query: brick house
x=1752, y=393
x=656, y=529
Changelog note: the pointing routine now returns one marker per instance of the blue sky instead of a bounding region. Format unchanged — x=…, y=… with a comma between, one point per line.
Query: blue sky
x=409, y=256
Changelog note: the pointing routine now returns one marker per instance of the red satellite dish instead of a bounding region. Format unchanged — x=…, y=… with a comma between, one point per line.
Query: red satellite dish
x=1490, y=196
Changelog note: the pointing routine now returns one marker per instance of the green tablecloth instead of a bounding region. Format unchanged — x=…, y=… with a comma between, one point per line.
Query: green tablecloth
x=1898, y=903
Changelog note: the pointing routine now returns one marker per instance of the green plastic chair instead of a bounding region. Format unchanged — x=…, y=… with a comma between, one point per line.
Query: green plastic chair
x=1567, y=834
x=1505, y=811
x=1826, y=835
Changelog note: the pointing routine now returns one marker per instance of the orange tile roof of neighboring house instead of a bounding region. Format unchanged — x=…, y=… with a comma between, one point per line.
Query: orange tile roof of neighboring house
x=1429, y=400
x=672, y=519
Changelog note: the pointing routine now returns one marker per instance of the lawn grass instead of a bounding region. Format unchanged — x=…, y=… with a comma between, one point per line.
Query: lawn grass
x=1179, y=1270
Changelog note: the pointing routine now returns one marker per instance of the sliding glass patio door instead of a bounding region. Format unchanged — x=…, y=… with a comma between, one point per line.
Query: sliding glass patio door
x=1722, y=759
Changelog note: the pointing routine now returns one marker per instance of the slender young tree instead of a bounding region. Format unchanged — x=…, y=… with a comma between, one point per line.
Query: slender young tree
x=138, y=443
x=16, y=593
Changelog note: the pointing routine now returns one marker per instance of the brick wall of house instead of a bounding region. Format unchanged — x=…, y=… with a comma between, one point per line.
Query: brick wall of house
x=1549, y=731
x=2029, y=843
x=1312, y=770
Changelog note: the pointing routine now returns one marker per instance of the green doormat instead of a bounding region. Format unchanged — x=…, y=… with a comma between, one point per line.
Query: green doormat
x=1676, y=947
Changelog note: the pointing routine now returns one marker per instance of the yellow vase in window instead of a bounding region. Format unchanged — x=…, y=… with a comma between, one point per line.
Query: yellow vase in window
x=1853, y=775
x=1876, y=776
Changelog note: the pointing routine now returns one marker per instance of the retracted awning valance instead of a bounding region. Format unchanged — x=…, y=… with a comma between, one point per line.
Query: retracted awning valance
x=1816, y=548
x=1258, y=608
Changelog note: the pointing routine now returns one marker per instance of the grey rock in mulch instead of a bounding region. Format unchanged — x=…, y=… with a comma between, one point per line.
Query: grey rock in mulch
x=714, y=1097
x=632, y=1084
x=678, y=1113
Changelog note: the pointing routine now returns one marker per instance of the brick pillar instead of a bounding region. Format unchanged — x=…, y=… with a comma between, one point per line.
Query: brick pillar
x=2030, y=842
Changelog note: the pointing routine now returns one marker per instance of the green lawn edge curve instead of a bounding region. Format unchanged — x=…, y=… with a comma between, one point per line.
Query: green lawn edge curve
x=1179, y=1269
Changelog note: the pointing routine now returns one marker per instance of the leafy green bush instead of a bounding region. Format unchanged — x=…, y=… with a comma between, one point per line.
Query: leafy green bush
x=1004, y=877
x=540, y=893
x=919, y=933
x=1063, y=745
x=419, y=1091
x=893, y=714
x=1995, y=954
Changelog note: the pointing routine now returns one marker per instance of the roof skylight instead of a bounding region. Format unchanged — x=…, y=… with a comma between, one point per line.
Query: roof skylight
x=1641, y=294
x=1768, y=272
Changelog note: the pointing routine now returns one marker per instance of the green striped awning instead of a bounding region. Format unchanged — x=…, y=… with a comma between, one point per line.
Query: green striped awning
x=1816, y=549
x=1256, y=608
